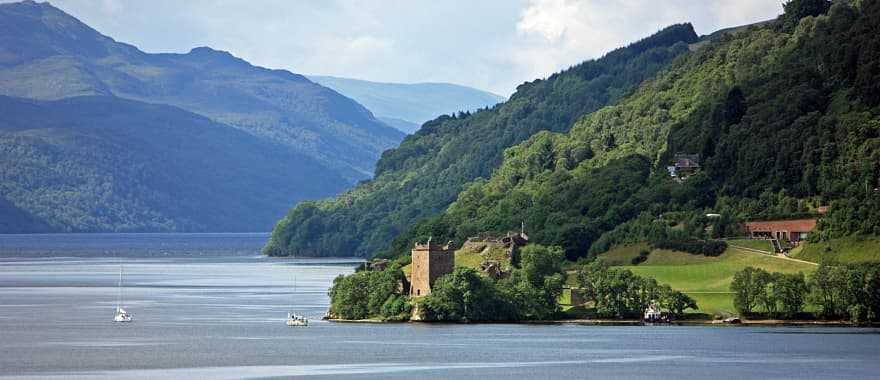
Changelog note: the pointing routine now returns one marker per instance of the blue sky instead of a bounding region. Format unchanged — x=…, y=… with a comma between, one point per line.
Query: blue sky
x=491, y=44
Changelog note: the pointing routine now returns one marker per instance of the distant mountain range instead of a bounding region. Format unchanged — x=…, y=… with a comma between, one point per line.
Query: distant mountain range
x=408, y=106
x=96, y=135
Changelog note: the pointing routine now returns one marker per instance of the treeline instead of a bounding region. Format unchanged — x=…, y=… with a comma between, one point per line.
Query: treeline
x=424, y=175
x=530, y=292
x=618, y=293
x=370, y=294
x=835, y=292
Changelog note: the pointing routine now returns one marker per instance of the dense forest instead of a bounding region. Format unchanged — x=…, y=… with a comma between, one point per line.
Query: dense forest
x=784, y=116
x=78, y=168
x=425, y=174
x=49, y=55
x=259, y=140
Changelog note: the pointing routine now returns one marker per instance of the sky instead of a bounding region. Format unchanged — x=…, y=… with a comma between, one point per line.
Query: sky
x=493, y=45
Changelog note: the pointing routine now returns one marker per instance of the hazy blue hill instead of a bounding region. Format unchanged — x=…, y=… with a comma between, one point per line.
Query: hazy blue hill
x=116, y=139
x=48, y=54
x=401, y=125
x=15, y=220
x=415, y=103
x=100, y=163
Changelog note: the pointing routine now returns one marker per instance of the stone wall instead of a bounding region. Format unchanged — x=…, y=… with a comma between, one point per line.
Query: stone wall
x=429, y=262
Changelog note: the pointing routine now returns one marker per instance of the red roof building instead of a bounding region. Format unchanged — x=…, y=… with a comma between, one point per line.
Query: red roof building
x=791, y=230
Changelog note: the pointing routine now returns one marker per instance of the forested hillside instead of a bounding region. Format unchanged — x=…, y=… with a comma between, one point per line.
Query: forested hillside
x=426, y=173
x=232, y=149
x=77, y=167
x=784, y=116
x=47, y=54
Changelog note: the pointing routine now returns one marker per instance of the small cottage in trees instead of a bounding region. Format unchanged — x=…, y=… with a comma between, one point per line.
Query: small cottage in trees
x=684, y=165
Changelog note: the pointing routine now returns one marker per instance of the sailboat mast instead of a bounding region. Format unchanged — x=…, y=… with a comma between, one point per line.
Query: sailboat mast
x=119, y=288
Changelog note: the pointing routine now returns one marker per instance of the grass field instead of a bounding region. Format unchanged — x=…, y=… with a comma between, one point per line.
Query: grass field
x=706, y=279
x=761, y=245
x=854, y=249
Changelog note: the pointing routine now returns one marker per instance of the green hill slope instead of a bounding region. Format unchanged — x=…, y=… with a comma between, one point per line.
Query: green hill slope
x=101, y=163
x=784, y=115
x=425, y=174
x=47, y=54
x=413, y=103
x=847, y=250
x=706, y=279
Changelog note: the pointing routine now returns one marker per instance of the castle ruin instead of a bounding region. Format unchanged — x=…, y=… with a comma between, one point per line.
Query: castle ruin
x=430, y=261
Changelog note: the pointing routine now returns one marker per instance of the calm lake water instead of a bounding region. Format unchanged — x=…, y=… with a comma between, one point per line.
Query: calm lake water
x=209, y=306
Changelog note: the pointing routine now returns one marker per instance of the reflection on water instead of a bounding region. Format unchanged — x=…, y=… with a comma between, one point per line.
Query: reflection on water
x=217, y=311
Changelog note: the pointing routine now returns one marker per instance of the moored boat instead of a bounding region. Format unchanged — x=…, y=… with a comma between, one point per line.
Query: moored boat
x=121, y=315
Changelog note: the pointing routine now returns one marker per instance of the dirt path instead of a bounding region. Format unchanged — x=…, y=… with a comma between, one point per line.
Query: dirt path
x=778, y=255
x=784, y=257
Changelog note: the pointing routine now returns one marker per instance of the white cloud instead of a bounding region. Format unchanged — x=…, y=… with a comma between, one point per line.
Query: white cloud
x=489, y=44
x=559, y=33
x=548, y=18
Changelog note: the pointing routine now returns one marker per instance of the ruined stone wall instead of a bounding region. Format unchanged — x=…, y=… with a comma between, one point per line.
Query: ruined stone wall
x=441, y=263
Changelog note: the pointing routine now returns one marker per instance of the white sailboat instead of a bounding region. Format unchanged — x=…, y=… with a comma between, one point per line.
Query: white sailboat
x=294, y=319
x=121, y=315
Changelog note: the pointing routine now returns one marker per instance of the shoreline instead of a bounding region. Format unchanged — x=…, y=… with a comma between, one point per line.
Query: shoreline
x=633, y=322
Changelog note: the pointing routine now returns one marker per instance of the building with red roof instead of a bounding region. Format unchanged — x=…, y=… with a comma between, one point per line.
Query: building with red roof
x=791, y=230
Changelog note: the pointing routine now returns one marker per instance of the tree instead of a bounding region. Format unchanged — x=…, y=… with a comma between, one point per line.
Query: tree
x=620, y=293
x=383, y=285
x=828, y=285
x=538, y=262
x=791, y=291
x=463, y=296
x=795, y=10
x=749, y=287
x=677, y=302
x=369, y=294
x=349, y=296
x=770, y=297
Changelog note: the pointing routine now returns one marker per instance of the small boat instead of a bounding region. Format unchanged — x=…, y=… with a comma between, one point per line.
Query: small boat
x=653, y=314
x=121, y=315
x=732, y=320
x=294, y=319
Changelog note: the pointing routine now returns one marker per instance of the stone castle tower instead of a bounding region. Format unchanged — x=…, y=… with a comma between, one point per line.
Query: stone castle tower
x=429, y=262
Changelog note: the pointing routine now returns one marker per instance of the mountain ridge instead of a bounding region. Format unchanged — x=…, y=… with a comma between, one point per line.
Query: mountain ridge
x=39, y=59
x=296, y=140
x=413, y=103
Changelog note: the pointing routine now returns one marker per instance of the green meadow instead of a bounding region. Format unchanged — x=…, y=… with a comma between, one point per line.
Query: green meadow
x=849, y=250
x=706, y=279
